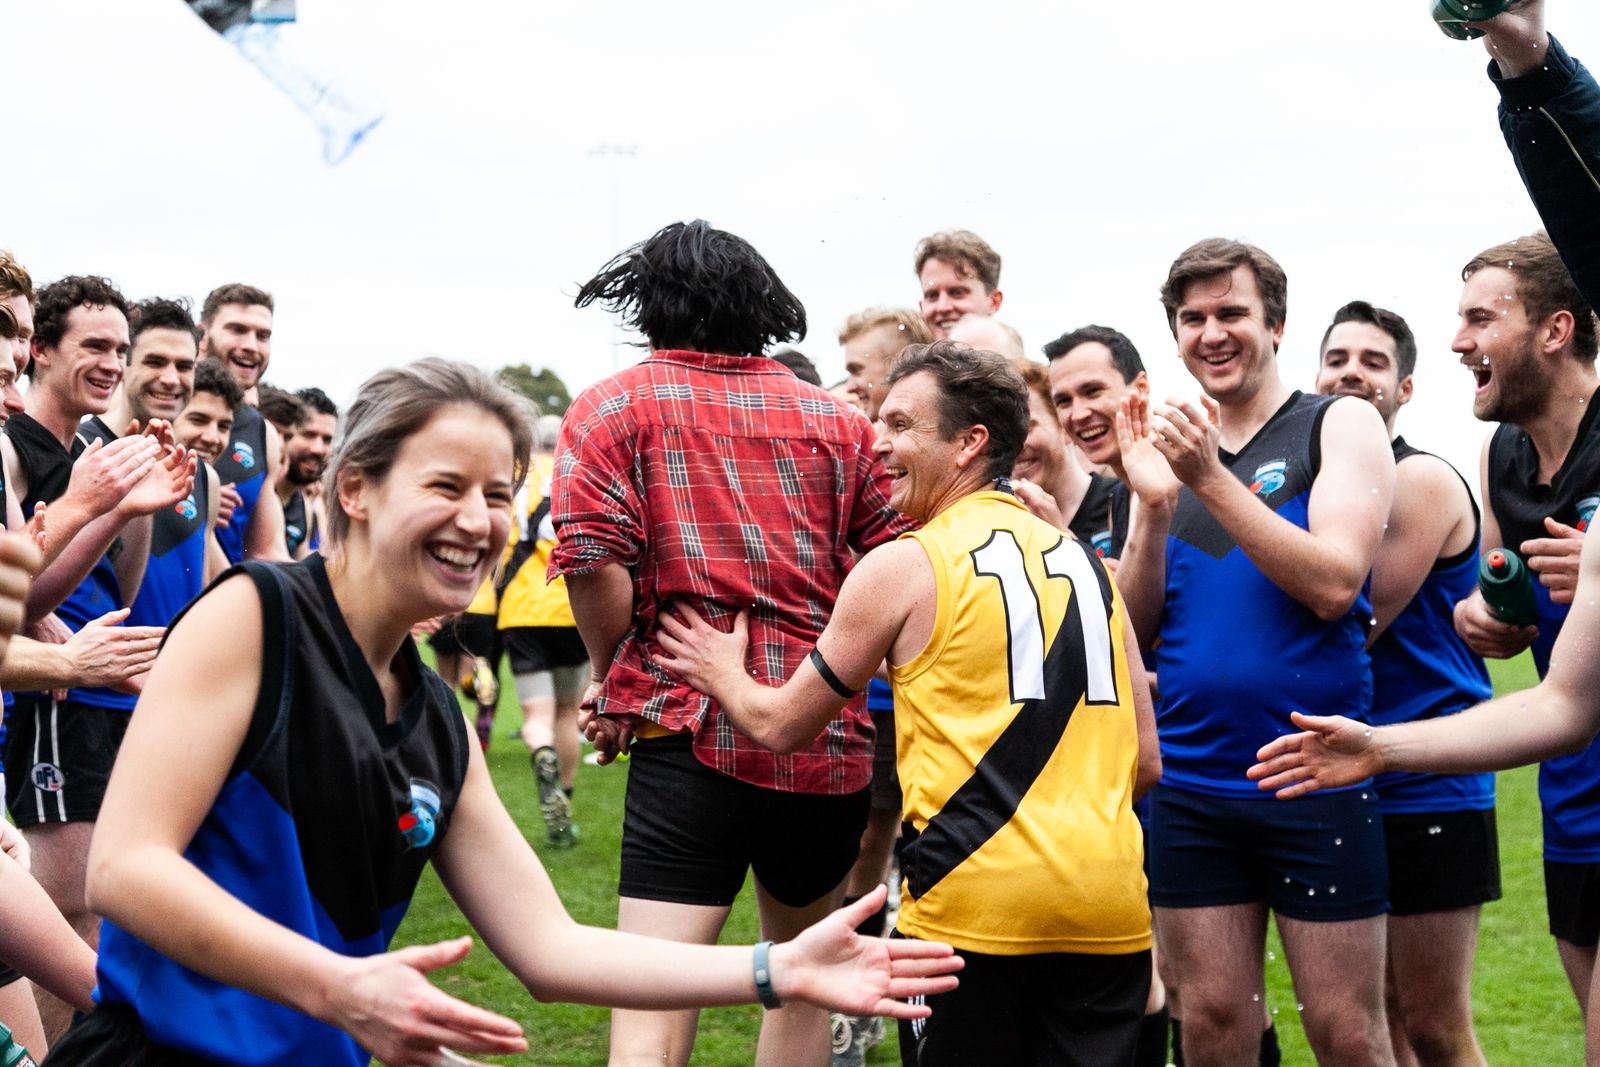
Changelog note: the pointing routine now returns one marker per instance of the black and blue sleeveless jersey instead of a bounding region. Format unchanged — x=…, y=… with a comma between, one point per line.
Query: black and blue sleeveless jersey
x=296, y=522
x=47, y=468
x=1091, y=524
x=1422, y=670
x=1237, y=653
x=1569, y=786
x=323, y=825
x=243, y=465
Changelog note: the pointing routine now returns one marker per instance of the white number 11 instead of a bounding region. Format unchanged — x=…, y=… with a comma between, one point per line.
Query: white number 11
x=1001, y=558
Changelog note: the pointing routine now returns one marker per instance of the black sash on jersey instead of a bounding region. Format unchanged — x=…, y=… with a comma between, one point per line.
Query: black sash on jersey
x=987, y=801
x=1094, y=512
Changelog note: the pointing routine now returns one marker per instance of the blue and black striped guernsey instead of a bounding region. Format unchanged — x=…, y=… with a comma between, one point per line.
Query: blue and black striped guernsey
x=1569, y=786
x=1237, y=653
x=243, y=465
x=324, y=824
x=1421, y=669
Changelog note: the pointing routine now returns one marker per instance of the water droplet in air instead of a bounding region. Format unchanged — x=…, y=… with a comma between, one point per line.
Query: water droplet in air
x=1255, y=998
x=1338, y=840
x=1363, y=796
x=1435, y=830
x=1333, y=889
x=1311, y=892
x=1299, y=1007
x=1271, y=955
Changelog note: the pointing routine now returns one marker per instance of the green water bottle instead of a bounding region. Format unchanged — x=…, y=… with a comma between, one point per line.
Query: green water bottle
x=1507, y=587
x=1453, y=15
x=11, y=1053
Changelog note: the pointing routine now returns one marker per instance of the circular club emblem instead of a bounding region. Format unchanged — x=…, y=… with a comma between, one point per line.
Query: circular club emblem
x=47, y=777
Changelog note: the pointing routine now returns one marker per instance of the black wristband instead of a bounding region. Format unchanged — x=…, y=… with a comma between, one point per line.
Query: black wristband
x=828, y=676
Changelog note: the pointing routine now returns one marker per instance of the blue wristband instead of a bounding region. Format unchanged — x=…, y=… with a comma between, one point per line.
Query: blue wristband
x=763, y=975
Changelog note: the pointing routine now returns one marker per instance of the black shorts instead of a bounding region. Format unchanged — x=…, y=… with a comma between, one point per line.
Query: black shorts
x=1054, y=1009
x=1441, y=860
x=112, y=1036
x=689, y=834
x=58, y=758
x=885, y=771
x=1318, y=858
x=473, y=634
x=543, y=648
x=1572, y=901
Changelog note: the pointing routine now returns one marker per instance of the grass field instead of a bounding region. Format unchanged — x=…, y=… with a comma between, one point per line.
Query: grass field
x=1525, y=1013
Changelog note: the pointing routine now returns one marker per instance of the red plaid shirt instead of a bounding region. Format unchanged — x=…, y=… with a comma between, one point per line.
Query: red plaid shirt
x=729, y=483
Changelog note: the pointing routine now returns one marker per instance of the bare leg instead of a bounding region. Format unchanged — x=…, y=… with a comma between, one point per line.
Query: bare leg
x=1430, y=959
x=1338, y=975
x=1578, y=962
x=661, y=1038
x=1217, y=956
x=797, y=1035
x=1398, y=1041
x=1591, y=1039
x=60, y=853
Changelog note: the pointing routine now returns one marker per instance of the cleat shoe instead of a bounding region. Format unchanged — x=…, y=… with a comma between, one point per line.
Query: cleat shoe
x=853, y=1035
x=554, y=804
x=485, y=686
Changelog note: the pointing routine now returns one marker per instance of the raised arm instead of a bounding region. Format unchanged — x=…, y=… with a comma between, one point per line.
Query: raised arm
x=1142, y=572
x=1325, y=566
x=871, y=611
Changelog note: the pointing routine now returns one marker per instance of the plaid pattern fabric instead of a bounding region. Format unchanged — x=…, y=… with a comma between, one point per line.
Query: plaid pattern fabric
x=729, y=483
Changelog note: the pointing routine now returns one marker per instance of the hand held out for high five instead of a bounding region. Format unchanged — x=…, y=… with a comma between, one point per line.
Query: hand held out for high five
x=1149, y=474
x=388, y=1005
x=1330, y=752
x=832, y=966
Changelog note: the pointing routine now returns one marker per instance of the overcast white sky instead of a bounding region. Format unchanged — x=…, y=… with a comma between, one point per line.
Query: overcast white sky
x=1088, y=143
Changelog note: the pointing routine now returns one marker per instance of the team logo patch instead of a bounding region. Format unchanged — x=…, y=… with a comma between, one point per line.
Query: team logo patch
x=47, y=777
x=420, y=823
x=1269, y=478
x=1101, y=543
x=244, y=455
x=1586, y=510
x=186, y=508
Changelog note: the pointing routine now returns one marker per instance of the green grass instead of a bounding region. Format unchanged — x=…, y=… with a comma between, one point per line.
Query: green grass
x=1524, y=1011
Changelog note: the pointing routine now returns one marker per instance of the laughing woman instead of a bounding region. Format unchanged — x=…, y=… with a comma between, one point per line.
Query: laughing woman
x=292, y=766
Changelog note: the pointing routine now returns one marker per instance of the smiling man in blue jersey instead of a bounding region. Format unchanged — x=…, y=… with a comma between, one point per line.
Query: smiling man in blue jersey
x=236, y=331
x=1444, y=859
x=1257, y=588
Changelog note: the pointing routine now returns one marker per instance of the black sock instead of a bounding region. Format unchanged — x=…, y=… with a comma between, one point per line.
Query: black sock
x=1177, y=1043
x=1152, y=1040
x=1271, y=1054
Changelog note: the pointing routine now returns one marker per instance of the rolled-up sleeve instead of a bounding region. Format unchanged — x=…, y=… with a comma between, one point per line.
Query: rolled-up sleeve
x=595, y=503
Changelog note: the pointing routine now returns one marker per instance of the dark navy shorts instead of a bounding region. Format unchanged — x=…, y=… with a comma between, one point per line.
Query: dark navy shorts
x=1319, y=858
x=1443, y=860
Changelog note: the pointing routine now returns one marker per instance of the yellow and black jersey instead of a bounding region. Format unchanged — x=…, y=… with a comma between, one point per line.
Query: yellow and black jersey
x=1017, y=745
x=527, y=598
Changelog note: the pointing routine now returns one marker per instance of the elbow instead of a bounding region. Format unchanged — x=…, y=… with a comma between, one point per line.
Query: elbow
x=784, y=739
x=1334, y=603
x=1147, y=776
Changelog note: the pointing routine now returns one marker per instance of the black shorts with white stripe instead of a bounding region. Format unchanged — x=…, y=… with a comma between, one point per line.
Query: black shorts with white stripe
x=58, y=758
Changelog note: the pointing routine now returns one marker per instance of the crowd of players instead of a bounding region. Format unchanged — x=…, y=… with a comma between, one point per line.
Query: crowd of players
x=713, y=560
